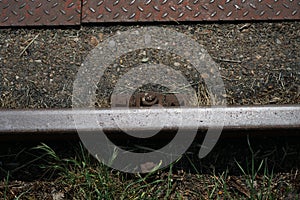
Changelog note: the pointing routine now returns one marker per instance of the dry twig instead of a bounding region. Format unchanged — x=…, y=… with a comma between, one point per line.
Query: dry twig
x=28, y=45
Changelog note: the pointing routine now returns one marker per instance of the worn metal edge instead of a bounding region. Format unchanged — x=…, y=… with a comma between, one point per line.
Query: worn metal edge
x=233, y=118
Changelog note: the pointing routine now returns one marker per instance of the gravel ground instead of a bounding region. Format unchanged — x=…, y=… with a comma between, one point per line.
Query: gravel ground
x=259, y=62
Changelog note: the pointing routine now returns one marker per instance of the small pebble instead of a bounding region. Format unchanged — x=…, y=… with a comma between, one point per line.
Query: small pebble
x=244, y=72
x=144, y=60
x=204, y=75
x=176, y=64
x=94, y=41
x=278, y=41
x=258, y=57
x=100, y=35
x=144, y=53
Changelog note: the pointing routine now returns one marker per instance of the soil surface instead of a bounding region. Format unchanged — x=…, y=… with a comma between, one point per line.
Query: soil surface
x=259, y=62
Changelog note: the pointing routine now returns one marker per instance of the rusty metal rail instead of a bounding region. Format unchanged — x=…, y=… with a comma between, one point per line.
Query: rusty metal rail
x=233, y=118
x=76, y=12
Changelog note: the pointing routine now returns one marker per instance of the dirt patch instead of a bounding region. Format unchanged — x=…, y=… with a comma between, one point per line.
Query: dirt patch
x=259, y=62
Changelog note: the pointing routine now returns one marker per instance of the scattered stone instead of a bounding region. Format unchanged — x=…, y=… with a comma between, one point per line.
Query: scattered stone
x=94, y=41
x=144, y=60
x=278, y=41
x=176, y=64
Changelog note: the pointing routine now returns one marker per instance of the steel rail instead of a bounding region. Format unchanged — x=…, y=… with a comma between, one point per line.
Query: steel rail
x=233, y=118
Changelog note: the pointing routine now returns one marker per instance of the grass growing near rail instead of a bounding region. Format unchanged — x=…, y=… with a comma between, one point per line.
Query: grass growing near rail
x=80, y=176
x=89, y=179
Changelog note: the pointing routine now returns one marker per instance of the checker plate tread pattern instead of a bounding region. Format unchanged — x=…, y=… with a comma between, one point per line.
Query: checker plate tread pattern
x=76, y=12
x=40, y=12
x=188, y=10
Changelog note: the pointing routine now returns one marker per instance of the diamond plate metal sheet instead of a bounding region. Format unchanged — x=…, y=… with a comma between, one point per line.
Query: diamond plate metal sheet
x=188, y=10
x=40, y=12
